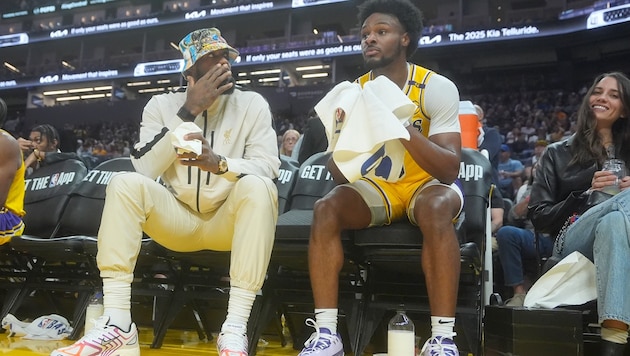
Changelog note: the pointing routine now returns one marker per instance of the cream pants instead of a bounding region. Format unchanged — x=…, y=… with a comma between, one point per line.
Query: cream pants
x=245, y=224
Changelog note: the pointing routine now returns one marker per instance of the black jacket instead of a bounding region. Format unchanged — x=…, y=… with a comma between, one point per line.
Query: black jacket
x=558, y=189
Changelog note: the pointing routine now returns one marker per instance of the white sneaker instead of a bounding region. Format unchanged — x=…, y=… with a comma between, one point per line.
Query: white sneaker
x=439, y=346
x=230, y=343
x=322, y=342
x=104, y=340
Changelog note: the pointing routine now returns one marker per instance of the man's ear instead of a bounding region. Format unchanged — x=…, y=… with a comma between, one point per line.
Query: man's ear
x=405, y=39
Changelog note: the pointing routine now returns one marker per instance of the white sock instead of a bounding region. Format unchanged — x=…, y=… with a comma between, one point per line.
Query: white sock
x=239, y=308
x=117, y=302
x=442, y=326
x=327, y=318
x=614, y=335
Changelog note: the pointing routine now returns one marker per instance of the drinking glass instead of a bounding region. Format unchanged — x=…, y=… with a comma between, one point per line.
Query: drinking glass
x=618, y=167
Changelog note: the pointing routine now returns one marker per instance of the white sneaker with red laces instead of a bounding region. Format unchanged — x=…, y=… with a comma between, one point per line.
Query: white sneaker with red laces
x=104, y=340
x=231, y=343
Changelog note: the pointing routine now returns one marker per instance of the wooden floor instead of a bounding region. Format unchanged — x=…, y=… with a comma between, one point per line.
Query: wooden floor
x=176, y=342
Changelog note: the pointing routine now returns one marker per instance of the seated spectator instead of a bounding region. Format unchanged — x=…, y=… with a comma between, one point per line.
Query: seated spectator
x=313, y=140
x=539, y=148
x=510, y=171
x=289, y=139
x=516, y=242
x=42, y=148
x=491, y=142
x=520, y=147
x=569, y=172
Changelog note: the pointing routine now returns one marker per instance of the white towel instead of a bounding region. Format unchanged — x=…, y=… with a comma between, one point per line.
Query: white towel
x=571, y=281
x=47, y=327
x=182, y=145
x=365, y=143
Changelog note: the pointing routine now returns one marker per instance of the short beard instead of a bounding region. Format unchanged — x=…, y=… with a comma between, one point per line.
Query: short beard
x=379, y=63
x=383, y=61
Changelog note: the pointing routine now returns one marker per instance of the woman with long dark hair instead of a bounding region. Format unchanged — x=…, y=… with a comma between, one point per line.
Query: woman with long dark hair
x=570, y=173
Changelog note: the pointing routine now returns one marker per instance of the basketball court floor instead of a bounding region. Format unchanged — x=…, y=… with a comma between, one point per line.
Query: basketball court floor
x=176, y=342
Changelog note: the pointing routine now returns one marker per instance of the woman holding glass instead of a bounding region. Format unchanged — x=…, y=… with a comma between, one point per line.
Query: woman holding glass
x=570, y=172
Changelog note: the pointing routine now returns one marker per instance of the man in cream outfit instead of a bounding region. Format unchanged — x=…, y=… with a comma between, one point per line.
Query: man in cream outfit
x=221, y=197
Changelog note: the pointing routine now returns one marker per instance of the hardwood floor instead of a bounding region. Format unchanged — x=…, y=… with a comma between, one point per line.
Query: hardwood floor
x=176, y=342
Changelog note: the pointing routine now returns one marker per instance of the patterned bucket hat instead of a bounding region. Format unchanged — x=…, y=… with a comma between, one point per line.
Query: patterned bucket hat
x=201, y=42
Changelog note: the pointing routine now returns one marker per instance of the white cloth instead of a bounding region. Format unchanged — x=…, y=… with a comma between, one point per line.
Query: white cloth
x=182, y=145
x=364, y=125
x=47, y=327
x=570, y=282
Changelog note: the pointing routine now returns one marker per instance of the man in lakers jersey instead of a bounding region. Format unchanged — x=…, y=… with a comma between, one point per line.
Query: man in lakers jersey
x=425, y=194
x=12, y=173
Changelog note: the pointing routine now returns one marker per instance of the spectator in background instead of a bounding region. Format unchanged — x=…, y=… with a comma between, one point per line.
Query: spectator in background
x=539, y=148
x=520, y=147
x=510, y=171
x=12, y=172
x=490, y=141
x=313, y=140
x=289, y=139
x=517, y=242
x=43, y=148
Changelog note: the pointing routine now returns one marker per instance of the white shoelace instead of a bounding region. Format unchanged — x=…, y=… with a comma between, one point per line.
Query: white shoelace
x=437, y=346
x=317, y=341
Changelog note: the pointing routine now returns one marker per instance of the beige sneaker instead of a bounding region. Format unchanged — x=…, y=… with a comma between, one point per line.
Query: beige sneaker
x=516, y=301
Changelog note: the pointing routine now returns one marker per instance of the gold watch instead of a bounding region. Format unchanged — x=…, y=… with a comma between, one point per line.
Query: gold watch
x=223, y=167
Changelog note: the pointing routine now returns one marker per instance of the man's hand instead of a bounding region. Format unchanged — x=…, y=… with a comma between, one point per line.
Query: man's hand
x=203, y=92
x=206, y=161
x=25, y=145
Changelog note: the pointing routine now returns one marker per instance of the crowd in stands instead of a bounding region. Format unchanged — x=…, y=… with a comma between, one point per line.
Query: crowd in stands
x=523, y=118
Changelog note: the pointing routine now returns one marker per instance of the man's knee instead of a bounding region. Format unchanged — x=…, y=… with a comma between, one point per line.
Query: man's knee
x=436, y=207
x=126, y=183
x=260, y=190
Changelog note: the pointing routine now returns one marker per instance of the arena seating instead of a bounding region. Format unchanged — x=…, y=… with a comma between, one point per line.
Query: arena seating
x=196, y=281
x=391, y=256
x=288, y=282
x=47, y=262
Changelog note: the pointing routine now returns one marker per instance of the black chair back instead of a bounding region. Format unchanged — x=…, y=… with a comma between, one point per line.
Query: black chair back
x=475, y=177
x=289, y=170
x=47, y=194
x=313, y=182
x=82, y=216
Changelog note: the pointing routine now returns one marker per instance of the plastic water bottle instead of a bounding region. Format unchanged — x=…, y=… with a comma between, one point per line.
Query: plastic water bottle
x=93, y=311
x=401, y=336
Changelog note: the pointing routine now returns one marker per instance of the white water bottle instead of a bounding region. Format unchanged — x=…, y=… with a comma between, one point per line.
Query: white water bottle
x=401, y=336
x=93, y=311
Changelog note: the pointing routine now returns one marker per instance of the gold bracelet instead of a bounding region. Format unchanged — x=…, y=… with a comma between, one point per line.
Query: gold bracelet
x=36, y=153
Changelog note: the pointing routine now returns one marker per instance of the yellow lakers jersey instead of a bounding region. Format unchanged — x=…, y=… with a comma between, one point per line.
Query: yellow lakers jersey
x=417, y=79
x=15, y=199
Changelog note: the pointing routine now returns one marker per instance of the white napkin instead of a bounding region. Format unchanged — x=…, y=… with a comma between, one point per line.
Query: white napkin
x=47, y=327
x=366, y=143
x=570, y=282
x=182, y=145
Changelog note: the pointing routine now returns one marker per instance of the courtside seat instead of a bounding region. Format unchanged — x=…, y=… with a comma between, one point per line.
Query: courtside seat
x=46, y=264
x=287, y=290
x=195, y=281
x=287, y=177
x=391, y=256
x=77, y=230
